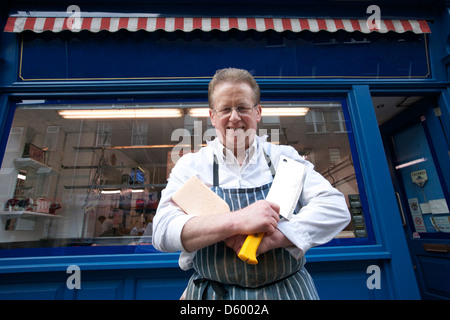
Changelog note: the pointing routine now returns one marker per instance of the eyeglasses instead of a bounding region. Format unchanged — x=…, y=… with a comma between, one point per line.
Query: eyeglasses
x=241, y=110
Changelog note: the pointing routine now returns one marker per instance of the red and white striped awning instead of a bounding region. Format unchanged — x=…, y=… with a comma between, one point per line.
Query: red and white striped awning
x=150, y=24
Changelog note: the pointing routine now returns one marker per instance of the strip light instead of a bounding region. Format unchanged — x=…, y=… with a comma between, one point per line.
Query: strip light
x=284, y=112
x=199, y=112
x=115, y=191
x=410, y=163
x=121, y=113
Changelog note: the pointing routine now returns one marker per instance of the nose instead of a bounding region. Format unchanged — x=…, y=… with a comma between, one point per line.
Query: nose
x=234, y=116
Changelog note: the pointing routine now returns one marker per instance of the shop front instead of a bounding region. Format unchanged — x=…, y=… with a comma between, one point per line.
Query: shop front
x=98, y=103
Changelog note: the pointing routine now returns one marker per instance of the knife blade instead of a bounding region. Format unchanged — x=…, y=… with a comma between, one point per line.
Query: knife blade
x=284, y=191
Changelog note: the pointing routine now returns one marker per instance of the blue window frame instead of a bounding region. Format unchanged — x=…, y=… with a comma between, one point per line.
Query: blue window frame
x=77, y=196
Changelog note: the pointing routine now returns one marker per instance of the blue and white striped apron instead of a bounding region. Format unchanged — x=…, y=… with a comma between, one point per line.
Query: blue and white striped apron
x=220, y=274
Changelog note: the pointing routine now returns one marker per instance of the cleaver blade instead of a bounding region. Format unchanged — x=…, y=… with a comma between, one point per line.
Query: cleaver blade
x=284, y=191
x=287, y=185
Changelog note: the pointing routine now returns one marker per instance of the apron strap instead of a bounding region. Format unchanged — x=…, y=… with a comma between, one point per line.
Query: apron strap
x=269, y=163
x=215, y=172
x=216, y=168
x=218, y=287
x=221, y=291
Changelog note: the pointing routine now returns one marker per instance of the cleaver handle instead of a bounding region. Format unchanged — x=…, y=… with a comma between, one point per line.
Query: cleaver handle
x=248, y=250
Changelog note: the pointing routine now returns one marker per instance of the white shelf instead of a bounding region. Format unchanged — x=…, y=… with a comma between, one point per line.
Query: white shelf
x=28, y=213
x=30, y=163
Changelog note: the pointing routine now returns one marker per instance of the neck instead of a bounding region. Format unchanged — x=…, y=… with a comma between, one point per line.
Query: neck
x=240, y=157
x=240, y=152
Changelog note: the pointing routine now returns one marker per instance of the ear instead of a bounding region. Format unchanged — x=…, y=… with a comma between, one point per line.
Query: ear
x=212, y=116
x=258, y=113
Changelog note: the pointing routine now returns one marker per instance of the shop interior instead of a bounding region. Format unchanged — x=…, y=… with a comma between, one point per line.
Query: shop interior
x=91, y=174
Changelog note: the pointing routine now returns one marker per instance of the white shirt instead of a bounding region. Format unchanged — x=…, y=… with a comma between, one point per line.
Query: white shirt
x=323, y=215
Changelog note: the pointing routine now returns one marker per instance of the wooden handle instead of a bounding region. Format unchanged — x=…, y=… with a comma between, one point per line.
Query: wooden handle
x=248, y=250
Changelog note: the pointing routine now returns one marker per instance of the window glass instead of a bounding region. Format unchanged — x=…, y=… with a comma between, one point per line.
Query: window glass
x=91, y=174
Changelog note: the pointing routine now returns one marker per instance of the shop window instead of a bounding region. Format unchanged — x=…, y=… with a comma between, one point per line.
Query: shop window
x=73, y=180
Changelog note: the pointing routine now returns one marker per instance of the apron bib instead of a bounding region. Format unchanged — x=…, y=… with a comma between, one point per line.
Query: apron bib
x=220, y=274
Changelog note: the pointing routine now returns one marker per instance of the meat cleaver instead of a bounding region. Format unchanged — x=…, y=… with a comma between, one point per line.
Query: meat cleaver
x=285, y=191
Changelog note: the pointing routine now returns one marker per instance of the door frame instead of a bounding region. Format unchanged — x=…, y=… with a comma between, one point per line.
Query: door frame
x=430, y=249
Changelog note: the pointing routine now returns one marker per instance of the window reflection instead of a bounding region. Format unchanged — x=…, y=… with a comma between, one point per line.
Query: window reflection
x=97, y=181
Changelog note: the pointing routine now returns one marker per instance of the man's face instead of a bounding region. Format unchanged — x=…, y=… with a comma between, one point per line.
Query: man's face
x=236, y=131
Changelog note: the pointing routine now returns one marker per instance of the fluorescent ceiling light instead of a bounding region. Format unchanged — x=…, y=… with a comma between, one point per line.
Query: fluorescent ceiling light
x=115, y=191
x=266, y=112
x=121, y=113
x=199, y=112
x=410, y=163
x=280, y=112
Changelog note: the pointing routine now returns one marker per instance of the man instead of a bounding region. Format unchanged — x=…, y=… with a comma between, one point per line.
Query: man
x=106, y=227
x=242, y=177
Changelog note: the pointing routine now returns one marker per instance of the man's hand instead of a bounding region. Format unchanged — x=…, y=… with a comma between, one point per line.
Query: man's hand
x=204, y=230
x=261, y=216
x=269, y=242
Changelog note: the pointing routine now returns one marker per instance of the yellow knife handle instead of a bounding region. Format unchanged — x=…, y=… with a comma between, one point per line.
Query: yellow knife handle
x=248, y=250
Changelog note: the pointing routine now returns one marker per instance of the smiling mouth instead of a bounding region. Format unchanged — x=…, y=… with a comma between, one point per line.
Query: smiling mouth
x=235, y=128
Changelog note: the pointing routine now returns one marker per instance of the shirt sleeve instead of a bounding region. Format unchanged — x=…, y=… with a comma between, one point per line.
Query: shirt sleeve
x=323, y=215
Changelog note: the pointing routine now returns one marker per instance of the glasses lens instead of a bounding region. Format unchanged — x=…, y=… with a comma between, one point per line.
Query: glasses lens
x=227, y=110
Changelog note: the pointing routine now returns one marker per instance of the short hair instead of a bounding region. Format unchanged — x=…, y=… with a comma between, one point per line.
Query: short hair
x=233, y=75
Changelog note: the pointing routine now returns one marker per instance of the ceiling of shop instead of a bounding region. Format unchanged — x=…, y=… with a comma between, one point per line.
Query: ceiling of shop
x=387, y=107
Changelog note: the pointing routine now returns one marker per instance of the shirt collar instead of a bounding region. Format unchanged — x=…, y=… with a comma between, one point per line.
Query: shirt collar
x=223, y=153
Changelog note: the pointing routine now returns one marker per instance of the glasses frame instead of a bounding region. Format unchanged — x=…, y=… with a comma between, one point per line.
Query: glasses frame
x=234, y=108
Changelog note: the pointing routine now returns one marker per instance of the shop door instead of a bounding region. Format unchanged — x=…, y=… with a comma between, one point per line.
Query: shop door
x=419, y=155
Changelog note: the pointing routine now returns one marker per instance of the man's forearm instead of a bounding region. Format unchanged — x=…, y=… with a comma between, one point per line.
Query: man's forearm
x=205, y=230
x=202, y=231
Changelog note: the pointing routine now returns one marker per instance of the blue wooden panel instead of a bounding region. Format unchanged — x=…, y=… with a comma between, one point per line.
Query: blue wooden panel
x=336, y=280
x=156, y=284
x=141, y=284
x=101, y=289
x=161, y=288
x=347, y=280
x=436, y=275
x=33, y=286
x=32, y=291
